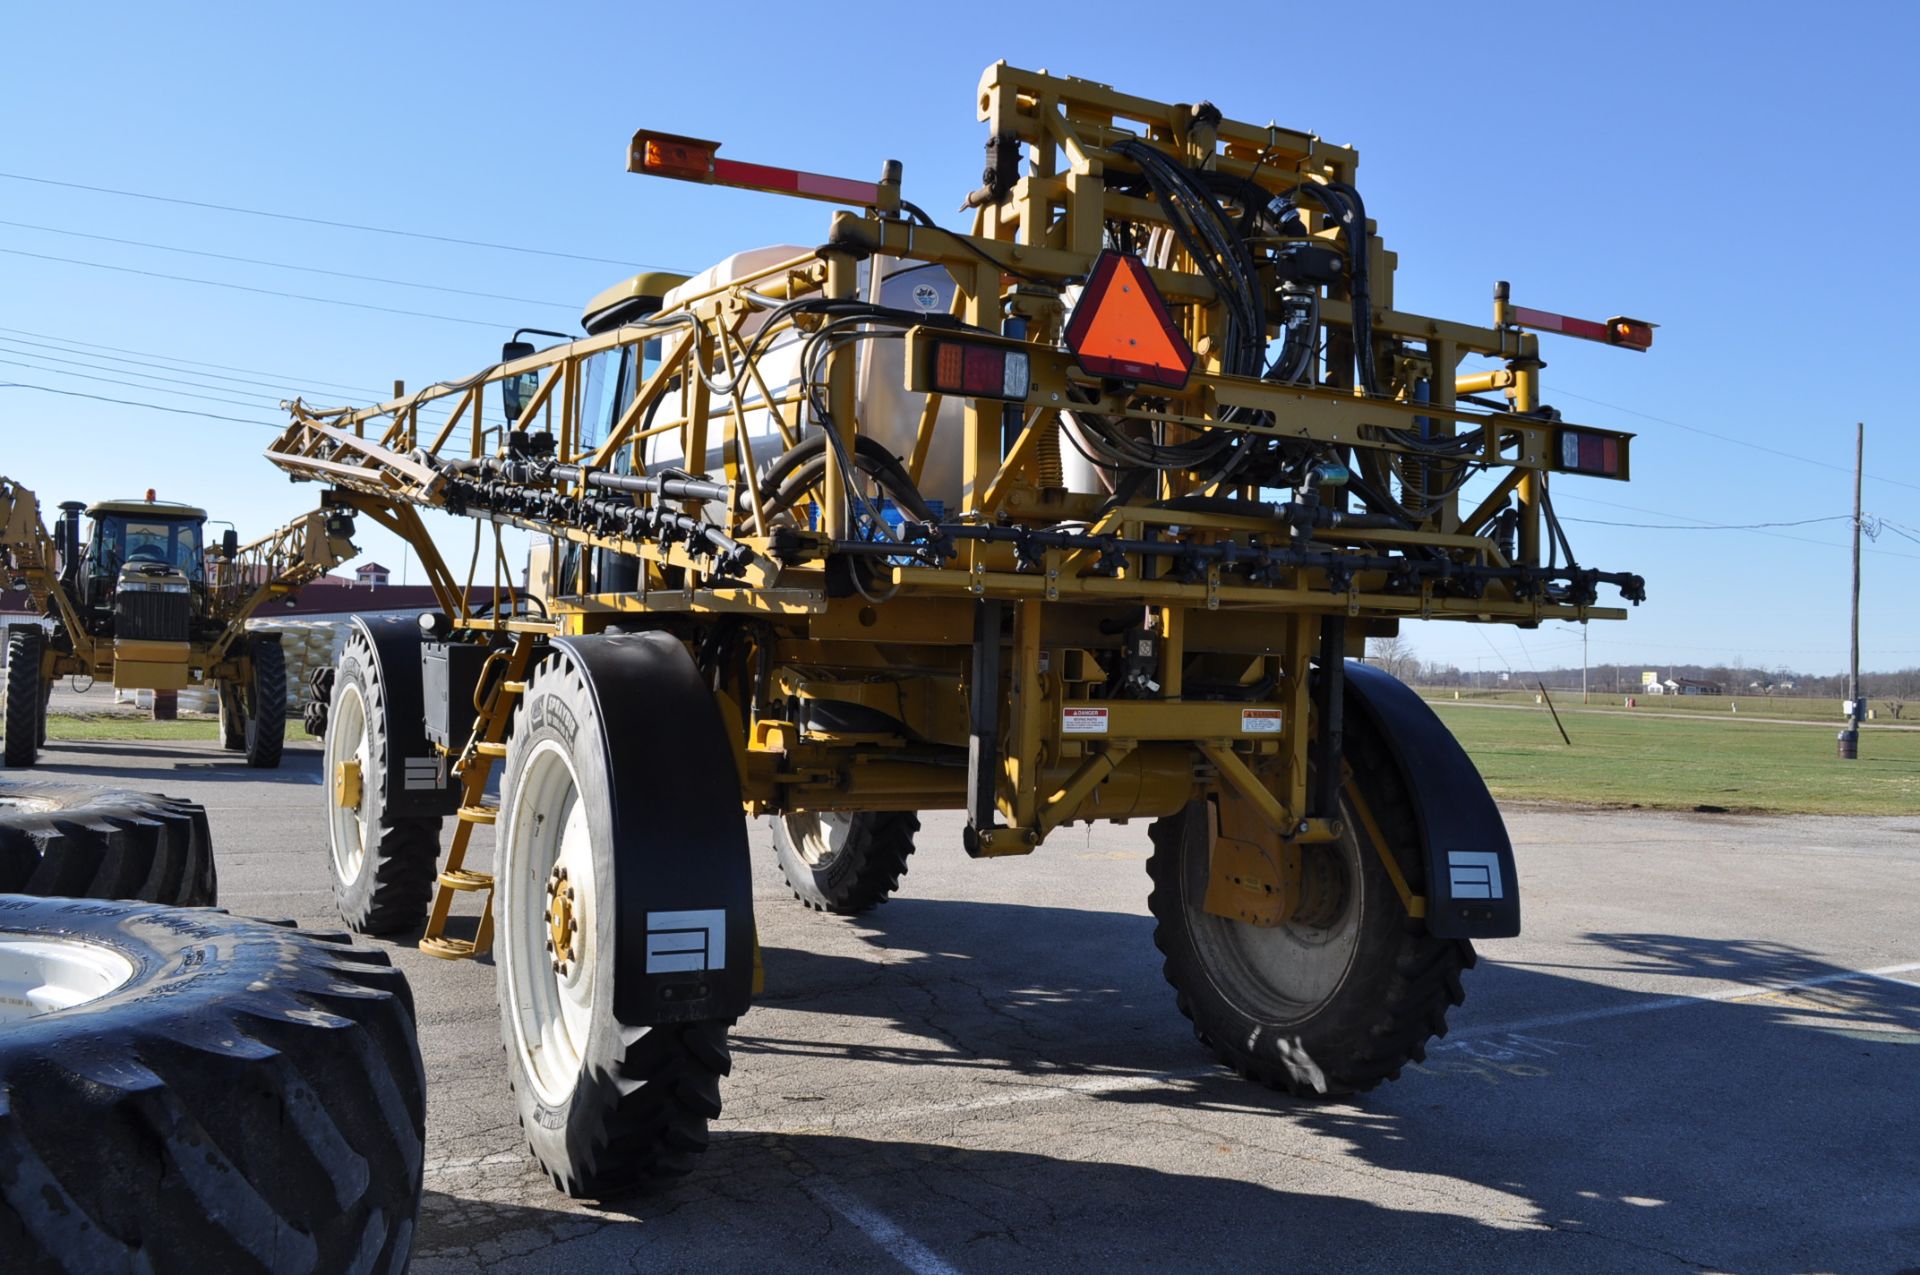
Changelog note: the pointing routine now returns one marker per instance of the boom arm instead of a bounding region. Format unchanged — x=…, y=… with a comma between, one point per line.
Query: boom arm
x=29, y=553
x=277, y=565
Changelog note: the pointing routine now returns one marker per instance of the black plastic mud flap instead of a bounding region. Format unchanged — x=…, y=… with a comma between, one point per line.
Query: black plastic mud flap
x=416, y=782
x=1472, y=889
x=684, y=883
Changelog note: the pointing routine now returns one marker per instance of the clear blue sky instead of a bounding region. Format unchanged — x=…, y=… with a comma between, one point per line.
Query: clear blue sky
x=1740, y=176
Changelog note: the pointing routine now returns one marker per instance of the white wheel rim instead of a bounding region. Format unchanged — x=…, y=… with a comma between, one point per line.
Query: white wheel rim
x=819, y=836
x=347, y=741
x=550, y=1011
x=42, y=975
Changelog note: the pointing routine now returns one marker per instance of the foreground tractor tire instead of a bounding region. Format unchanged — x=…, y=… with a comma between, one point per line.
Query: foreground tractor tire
x=266, y=701
x=23, y=716
x=383, y=867
x=610, y=1100
x=233, y=717
x=1318, y=1009
x=185, y=1091
x=844, y=862
x=94, y=843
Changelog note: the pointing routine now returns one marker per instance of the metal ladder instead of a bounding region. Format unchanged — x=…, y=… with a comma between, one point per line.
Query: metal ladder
x=474, y=767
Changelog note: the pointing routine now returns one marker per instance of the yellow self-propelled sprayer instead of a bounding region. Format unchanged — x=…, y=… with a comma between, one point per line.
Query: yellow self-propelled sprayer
x=139, y=600
x=1080, y=515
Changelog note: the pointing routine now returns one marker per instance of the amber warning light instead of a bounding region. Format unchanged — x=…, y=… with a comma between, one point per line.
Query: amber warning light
x=1121, y=328
x=670, y=156
x=697, y=160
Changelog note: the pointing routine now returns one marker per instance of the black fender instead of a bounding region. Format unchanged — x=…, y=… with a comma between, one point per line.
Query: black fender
x=1472, y=889
x=680, y=830
x=418, y=783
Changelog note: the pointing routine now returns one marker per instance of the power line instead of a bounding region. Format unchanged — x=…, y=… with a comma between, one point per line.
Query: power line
x=338, y=225
x=102, y=398
x=1710, y=526
x=1777, y=535
x=1729, y=438
x=267, y=292
x=232, y=402
x=287, y=265
x=282, y=388
x=170, y=358
x=284, y=381
x=1897, y=530
x=149, y=376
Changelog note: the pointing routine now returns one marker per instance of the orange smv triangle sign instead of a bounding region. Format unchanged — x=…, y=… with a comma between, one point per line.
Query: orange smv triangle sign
x=1121, y=329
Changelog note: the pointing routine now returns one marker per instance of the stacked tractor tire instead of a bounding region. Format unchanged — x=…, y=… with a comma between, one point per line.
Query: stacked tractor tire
x=180, y=1089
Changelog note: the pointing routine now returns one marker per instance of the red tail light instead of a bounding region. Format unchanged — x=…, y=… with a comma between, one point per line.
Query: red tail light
x=979, y=370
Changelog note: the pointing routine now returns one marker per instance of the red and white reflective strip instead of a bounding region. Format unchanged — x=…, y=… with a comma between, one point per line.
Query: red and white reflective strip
x=693, y=159
x=1632, y=334
x=791, y=181
x=1547, y=321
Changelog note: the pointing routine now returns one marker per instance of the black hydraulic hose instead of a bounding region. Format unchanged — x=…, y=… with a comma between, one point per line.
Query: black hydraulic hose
x=803, y=465
x=680, y=488
x=1258, y=560
x=1293, y=513
x=1343, y=202
x=1361, y=286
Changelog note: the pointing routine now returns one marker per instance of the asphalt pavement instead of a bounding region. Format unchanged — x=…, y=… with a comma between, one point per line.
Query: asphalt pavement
x=1703, y=1055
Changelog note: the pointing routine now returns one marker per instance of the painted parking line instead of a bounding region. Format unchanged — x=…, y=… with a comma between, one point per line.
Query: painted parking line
x=879, y=1228
x=1008, y=1094
x=1739, y=991
x=1498, y=1036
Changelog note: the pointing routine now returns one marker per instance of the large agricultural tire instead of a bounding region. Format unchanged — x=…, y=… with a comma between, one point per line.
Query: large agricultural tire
x=266, y=701
x=23, y=716
x=233, y=717
x=383, y=867
x=95, y=843
x=608, y=1103
x=844, y=862
x=1319, y=1010
x=189, y=1092
x=313, y=710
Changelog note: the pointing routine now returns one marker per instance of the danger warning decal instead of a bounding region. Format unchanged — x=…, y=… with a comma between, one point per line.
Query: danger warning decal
x=1259, y=721
x=1083, y=721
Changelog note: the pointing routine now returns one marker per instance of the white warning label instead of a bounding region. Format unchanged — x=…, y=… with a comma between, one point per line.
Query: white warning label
x=1259, y=721
x=1083, y=721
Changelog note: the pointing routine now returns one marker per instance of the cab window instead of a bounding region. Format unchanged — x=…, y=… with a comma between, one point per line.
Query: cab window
x=168, y=542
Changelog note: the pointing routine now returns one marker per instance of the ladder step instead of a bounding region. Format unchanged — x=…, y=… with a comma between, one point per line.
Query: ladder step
x=488, y=749
x=465, y=879
x=448, y=949
x=513, y=688
x=478, y=814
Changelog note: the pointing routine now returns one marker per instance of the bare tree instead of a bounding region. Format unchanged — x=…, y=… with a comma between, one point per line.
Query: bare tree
x=1395, y=656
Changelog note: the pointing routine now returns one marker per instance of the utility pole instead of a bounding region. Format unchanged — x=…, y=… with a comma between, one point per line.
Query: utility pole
x=1583, y=661
x=1850, y=737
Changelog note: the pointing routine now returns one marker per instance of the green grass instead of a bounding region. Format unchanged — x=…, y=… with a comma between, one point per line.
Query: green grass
x=108, y=727
x=80, y=728
x=1624, y=760
x=1796, y=707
